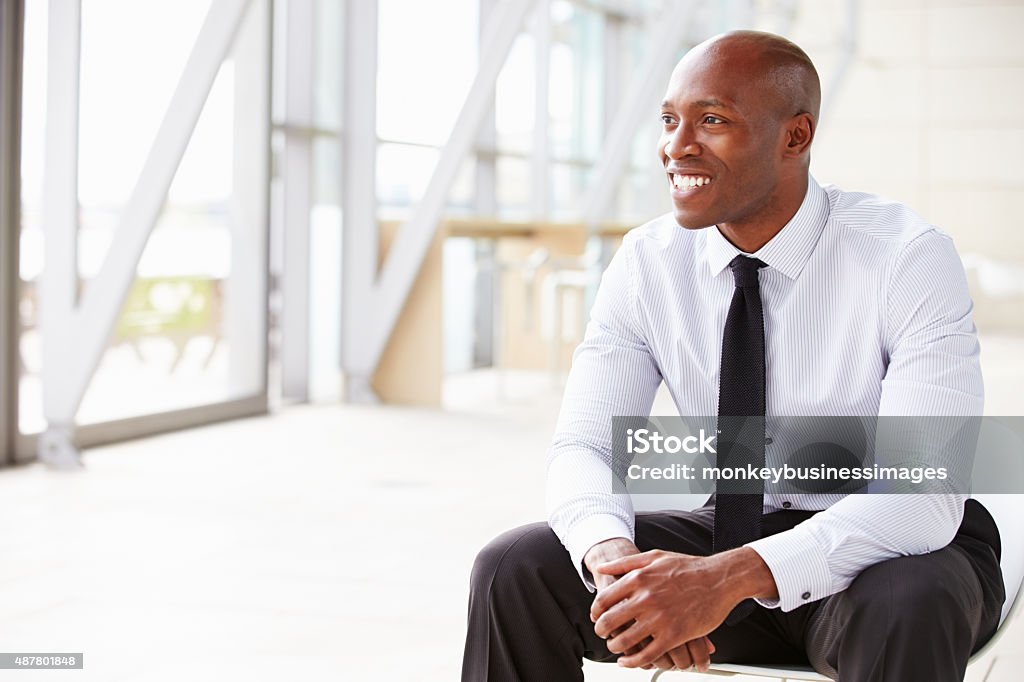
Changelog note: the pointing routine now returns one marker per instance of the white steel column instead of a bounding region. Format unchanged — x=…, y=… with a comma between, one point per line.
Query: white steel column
x=372, y=310
x=12, y=15
x=611, y=68
x=245, y=295
x=540, y=171
x=487, y=136
x=297, y=181
x=486, y=283
x=359, y=249
x=75, y=336
x=639, y=104
x=58, y=283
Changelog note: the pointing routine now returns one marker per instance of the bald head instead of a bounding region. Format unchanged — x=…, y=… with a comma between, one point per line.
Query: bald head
x=738, y=120
x=782, y=71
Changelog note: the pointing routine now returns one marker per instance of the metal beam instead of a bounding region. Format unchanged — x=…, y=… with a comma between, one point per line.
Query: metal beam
x=297, y=182
x=359, y=250
x=611, y=69
x=639, y=104
x=245, y=315
x=372, y=310
x=12, y=15
x=75, y=337
x=58, y=283
x=92, y=435
x=485, y=285
x=540, y=172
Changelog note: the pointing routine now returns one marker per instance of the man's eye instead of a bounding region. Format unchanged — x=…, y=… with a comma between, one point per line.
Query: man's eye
x=667, y=120
x=713, y=119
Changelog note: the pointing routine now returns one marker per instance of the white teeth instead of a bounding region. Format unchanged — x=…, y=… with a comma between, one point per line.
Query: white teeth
x=688, y=181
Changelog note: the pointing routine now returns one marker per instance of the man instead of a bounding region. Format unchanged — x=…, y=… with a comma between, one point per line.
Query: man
x=764, y=294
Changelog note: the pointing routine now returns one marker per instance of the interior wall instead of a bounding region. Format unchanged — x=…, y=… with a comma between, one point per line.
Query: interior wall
x=931, y=113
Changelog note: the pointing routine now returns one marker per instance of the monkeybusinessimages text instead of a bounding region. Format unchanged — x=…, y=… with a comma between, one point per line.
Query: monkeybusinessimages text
x=648, y=442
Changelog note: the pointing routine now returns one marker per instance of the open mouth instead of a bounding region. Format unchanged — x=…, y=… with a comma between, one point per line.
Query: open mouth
x=689, y=183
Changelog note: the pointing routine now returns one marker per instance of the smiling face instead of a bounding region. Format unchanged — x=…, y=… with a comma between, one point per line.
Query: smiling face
x=728, y=145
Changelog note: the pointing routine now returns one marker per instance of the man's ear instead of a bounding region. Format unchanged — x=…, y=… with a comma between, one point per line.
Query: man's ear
x=799, y=134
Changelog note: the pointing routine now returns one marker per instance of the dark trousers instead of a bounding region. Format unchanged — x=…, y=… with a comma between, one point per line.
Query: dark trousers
x=902, y=620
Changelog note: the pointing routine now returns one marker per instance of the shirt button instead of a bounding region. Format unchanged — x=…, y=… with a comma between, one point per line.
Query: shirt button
x=767, y=441
x=805, y=595
x=787, y=504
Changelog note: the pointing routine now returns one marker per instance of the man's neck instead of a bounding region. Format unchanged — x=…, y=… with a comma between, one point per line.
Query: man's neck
x=749, y=236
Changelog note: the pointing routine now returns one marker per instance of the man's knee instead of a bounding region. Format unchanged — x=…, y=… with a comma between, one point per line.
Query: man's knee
x=514, y=556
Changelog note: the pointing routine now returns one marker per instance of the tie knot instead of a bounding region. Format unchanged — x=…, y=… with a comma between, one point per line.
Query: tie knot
x=744, y=270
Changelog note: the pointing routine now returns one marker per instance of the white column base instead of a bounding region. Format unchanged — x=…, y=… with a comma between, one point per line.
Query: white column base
x=358, y=390
x=57, y=449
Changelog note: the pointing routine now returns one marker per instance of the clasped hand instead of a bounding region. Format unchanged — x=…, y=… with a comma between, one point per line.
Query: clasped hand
x=665, y=601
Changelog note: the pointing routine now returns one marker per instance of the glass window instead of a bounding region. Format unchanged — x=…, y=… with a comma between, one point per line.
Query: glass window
x=577, y=87
x=325, y=227
x=422, y=75
x=191, y=331
x=515, y=99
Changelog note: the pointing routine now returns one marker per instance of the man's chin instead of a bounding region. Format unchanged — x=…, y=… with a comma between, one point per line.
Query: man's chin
x=690, y=221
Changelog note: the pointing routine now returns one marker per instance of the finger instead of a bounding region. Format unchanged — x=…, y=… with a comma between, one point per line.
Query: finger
x=629, y=638
x=646, y=656
x=681, y=657
x=610, y=596
x=663, y=663
x=699, y=654
x=619, y=616
x=618, y=631
x=627, y=563
x=711, y=646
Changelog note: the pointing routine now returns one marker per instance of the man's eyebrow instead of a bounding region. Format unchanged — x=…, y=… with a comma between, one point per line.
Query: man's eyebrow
x=701, y=103
x=712, y=103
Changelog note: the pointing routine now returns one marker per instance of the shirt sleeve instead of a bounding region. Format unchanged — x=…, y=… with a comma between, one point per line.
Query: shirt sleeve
x=933, y=369
x=613, y=374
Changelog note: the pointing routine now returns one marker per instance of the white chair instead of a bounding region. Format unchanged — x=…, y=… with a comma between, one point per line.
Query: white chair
x=1007, y=510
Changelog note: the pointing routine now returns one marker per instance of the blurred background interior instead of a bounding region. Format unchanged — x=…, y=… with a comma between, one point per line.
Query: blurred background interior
x=339, y=254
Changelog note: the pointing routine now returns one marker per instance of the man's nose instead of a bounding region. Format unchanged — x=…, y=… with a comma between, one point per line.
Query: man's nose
x=681, y=143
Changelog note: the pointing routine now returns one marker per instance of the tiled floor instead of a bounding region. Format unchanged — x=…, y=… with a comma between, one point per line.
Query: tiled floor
x=323, y=543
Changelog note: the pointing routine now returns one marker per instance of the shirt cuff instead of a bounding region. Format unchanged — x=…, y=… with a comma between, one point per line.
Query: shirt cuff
x=589, y=532
x=798, y=566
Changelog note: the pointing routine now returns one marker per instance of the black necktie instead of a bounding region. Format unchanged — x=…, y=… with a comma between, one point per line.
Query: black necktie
x=741, y=409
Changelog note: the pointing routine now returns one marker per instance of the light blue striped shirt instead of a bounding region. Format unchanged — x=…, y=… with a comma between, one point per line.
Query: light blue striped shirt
x=866, y=311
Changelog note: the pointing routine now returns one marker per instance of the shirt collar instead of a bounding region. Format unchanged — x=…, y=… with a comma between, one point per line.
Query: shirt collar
x=788, y=250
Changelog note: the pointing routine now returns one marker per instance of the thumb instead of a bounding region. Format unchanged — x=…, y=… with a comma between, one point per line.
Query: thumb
x=625, y=564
